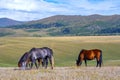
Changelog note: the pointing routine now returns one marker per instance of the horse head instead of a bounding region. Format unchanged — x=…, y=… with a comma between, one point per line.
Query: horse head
x=77, y=62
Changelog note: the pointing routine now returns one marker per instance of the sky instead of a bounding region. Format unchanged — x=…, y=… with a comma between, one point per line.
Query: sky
x=27, y=10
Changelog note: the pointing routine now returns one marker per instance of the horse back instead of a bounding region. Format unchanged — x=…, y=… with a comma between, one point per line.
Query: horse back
x=48, y=51
x=97, y=53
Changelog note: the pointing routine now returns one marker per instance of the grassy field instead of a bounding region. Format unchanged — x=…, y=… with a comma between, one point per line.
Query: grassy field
x=66, y=49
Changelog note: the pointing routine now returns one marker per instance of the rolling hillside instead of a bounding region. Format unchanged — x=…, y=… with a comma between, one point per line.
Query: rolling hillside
x=69, y=25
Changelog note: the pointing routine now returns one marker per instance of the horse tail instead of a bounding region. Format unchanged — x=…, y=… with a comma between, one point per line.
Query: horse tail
x=52, y=59
x=101, y=61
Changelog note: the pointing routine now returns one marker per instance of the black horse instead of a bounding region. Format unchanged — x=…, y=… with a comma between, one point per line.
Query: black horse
x=44, y=53
x=34, y=54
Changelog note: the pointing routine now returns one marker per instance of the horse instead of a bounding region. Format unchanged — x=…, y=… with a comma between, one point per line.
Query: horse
x=44, y=53
x=89, y=55
x=24, y=61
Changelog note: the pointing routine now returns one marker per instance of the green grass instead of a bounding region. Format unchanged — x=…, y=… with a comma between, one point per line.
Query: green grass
x=66, y=49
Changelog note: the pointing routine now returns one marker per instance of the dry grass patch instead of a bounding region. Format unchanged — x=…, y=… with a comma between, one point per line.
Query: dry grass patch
x=62, y=73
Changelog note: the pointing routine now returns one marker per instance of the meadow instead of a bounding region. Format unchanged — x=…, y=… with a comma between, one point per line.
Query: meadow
x=66, y=49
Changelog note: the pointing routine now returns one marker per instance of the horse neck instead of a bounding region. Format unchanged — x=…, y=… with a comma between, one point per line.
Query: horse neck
x=23, y=57
x=81, y=55
x=28, y=58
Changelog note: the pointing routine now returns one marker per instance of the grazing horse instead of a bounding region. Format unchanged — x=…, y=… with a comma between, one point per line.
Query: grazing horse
x=89, y=55
x=24, y=61
x=44, y=53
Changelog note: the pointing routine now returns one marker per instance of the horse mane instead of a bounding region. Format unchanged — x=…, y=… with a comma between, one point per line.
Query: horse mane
x=45, y=47
x=82, y=50
x=23, y=56
x=80, y=53
x=33, y=49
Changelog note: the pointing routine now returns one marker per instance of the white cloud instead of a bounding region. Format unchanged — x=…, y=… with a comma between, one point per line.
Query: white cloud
x=36, y=9
x=18, y=4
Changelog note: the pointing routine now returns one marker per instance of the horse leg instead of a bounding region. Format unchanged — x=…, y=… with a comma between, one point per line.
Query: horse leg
x=34, y=62
x=31, y=65
x=85, y=62
x=36, y=65
x=28, y=65
x=42, y=63
x=46, y=62
x=39, y=63
x=100, y=62
x=97, y=63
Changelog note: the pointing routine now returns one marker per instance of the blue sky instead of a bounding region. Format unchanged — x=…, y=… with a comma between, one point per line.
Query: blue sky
x=25, y=10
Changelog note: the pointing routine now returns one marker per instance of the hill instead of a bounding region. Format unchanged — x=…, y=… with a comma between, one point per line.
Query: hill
x=8, y=22
x=70, y=25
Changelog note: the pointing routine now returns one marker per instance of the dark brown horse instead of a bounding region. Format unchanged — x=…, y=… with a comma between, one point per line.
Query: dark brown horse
x=89, y=55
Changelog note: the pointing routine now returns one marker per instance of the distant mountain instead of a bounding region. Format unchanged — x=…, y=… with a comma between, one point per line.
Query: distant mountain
x=8, y=22
x=71, y=25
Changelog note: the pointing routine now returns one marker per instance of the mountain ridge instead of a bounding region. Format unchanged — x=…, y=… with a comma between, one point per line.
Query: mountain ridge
x=71, y=25
x=9, y=22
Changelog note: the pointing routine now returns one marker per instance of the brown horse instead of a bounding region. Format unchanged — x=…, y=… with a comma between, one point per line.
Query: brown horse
x=25, y=61
x=89, y=55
